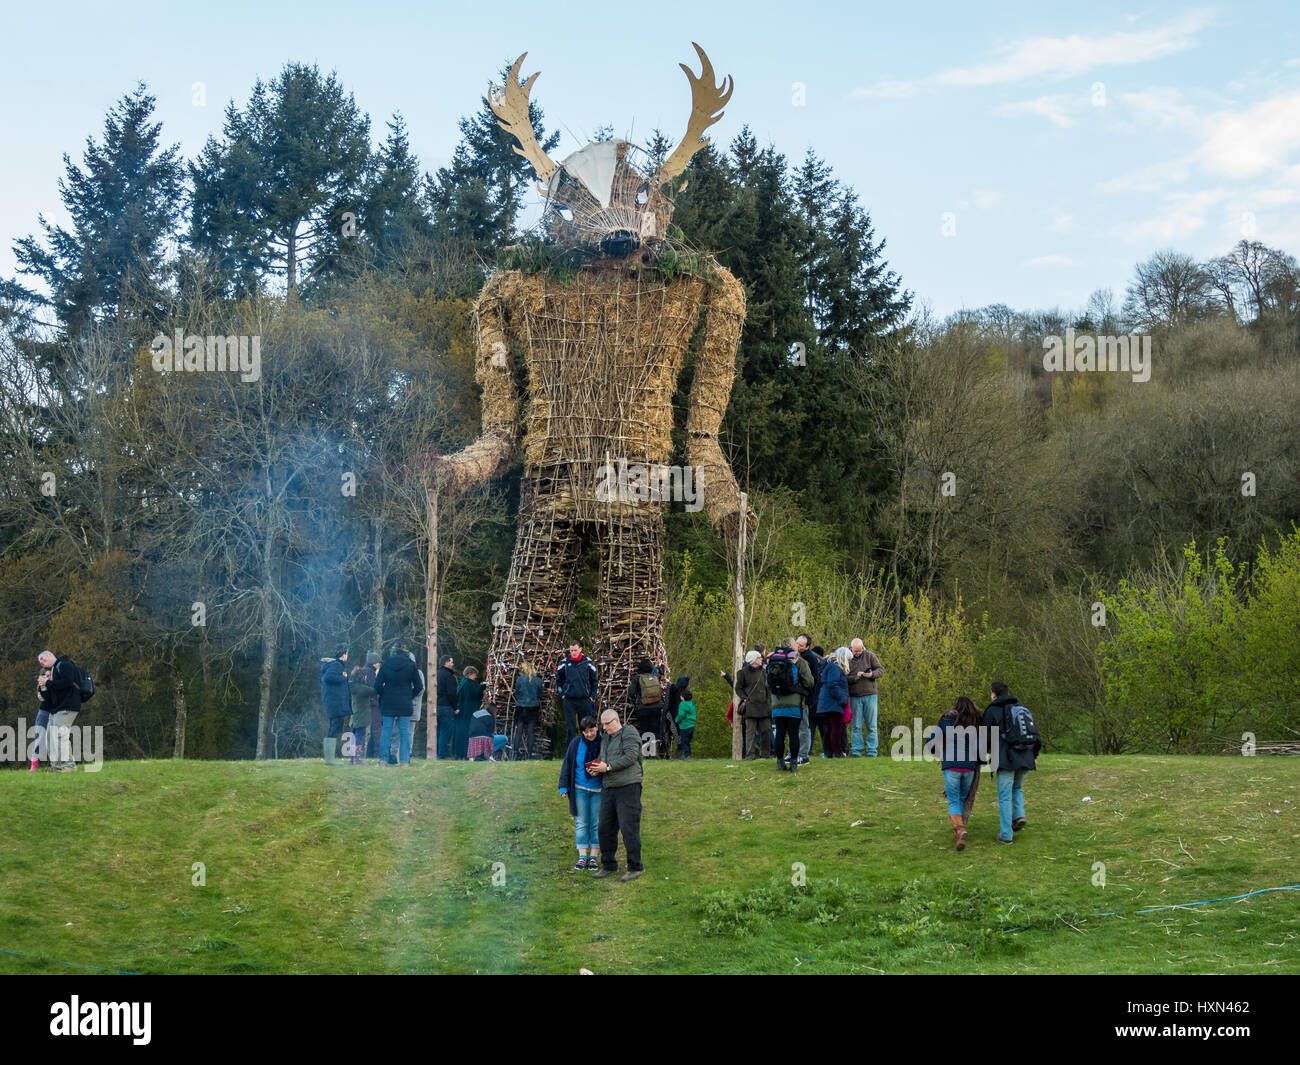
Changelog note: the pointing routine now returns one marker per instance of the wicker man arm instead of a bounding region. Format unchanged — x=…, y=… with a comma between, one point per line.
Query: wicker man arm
x=715, y=370
x=498, y=441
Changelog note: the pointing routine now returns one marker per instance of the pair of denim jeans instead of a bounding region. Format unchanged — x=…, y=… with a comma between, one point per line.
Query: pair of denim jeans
x=956, y=786
x=586, y=825
x=864, y=711
x=1011, y=800
x=403, y=739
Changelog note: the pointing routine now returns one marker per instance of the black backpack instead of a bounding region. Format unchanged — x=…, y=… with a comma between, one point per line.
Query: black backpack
x=1018, y=729
x=782, y=673
x=86, y=684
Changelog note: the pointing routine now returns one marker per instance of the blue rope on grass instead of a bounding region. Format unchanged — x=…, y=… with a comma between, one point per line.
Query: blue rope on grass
x=1206, y=902
x=72, y=964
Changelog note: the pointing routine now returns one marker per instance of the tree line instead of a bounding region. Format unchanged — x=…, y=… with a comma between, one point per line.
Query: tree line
x=200, y=540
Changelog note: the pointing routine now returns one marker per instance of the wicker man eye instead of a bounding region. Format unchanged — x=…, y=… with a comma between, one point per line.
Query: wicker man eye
x=564, y=213
x=643, y=193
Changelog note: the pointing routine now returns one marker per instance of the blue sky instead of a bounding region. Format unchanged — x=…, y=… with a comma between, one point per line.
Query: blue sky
x=1061, y=143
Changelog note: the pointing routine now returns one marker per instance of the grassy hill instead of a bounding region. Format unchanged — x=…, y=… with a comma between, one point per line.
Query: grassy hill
x=373, y=869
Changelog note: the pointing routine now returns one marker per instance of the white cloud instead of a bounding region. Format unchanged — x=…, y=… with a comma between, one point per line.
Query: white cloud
x=1183, y=217
x=1056, y=109
x=1248, y=143
x=1056, y=58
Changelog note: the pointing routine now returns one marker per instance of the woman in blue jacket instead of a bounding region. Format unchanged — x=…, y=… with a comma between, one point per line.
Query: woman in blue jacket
x=832, y=698
x=337, y=700
x=583, y=790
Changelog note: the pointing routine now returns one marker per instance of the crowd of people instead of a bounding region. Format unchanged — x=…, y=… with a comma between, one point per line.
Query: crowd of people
x=787, y=693
x=784, y=697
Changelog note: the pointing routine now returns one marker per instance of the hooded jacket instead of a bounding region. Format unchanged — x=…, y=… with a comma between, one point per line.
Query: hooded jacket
x=751, y=691
x=396, y=685
x=334, y=688
x=833, y=692
x=1008, y=757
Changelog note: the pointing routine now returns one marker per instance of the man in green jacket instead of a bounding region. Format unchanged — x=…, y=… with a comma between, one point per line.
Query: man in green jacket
x=619, y=768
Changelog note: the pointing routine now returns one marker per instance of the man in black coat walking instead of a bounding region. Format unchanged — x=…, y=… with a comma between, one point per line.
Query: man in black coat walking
x=1012, y=763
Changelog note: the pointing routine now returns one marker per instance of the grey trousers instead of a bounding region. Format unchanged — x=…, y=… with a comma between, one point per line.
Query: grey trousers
x=60, y=746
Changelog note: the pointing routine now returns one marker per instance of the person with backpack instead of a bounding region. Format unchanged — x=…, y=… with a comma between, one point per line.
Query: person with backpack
x=68, y=687
x=576, y=682
x=755, y=704
x=788, y=677
x=960, y=750
x=810, y=654
x=337, y=701
x=645, y=697
x=396, y=684
x=1016, y=754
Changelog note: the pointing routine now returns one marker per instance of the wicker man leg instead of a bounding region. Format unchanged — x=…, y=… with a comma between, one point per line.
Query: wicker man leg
x=631, y=604
x=534, y=615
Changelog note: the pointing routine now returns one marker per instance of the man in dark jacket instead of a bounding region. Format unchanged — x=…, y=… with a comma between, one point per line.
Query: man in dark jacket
x=64, y=690
x=1011, y=764
x=620, y=804
x=754, y=703
x=803, y=644
x=397, y=683
x=575, y=681
x=337, y=701
x=446, y=705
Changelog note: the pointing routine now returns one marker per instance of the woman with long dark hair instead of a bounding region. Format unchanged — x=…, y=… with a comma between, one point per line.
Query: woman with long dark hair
x=960, y=749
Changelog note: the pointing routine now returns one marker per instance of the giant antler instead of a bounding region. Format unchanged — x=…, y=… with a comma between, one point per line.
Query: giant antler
x=510, y=105
x=707, y=100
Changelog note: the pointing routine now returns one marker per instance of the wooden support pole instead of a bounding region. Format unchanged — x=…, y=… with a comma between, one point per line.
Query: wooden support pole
x=737, y=643
x=431, y=629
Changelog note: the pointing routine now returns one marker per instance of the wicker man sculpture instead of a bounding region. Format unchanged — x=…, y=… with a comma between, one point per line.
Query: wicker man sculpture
x=603, y=350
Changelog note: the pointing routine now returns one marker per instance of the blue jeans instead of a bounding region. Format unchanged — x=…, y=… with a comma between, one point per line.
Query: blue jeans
x=1011, y=800
x=585, y=824
x=864, y=708
x=403, y=739
x=956, y=786
x=40, y=744
x=446, y=730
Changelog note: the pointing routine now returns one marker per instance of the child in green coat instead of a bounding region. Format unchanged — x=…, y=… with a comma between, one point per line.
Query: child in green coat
x=685, y=723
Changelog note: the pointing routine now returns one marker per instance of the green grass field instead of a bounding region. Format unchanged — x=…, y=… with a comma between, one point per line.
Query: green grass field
x=378, y=870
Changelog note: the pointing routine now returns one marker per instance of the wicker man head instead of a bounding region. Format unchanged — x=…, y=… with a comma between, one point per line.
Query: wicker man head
x=609, y=199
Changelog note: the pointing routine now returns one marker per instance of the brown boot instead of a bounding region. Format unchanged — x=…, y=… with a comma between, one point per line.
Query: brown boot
x=958, y=831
